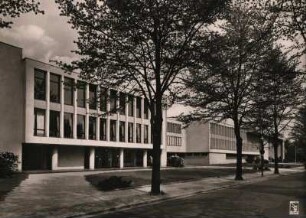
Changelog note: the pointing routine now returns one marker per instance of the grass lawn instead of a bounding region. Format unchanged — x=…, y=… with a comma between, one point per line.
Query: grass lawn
x=140, y=178
x=8, y=184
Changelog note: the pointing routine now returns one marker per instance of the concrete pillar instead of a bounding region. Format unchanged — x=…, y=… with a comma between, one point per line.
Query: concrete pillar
x=92, y=158
x=54, y=158
x=62, y=107
x=108, y=118
x=48, y=104
x=126, y=119
x=75, y=103
x=87, y=112
x=163, y=158
x=145, y=158
x=121, y=158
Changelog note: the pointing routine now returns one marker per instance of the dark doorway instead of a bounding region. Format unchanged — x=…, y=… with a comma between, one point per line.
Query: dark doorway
x=86, y=158
x=107, y=158
x=36, y=157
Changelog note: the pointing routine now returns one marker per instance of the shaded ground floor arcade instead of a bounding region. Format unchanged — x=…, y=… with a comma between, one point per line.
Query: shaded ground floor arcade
x=62, y=157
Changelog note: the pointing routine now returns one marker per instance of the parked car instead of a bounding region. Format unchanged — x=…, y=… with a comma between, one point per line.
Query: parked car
x=175, y=161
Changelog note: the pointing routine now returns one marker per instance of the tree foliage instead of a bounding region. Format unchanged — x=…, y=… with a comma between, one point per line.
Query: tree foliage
x=277, y=97
x=14, y=8
x=221, y=86
x=139, y=45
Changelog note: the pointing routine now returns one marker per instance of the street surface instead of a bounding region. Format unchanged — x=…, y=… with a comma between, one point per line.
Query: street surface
x=264, y=199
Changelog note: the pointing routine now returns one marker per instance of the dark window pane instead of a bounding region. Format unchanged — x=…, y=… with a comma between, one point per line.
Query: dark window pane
x=92, y=128
x=55, y=81
x=113, y=100
x=40, y=84
x=131, y=132
x=93, y=97
x=146, y=109
x=113, y=125
x=39, y=122
x=68, y=87
x=54, y=127
x=131, y=106
x=138, y=133
x=81, y=127
x=122, y=102
x=138, y=107
x=103, y=129
x=81, y=90
x=68, y=125
x=122, y=131
x=103, y=99
x=146, y=134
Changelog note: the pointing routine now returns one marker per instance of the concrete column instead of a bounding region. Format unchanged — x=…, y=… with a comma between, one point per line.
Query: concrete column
x=62, y=107
x=145, y=158
x=48, y=104
x=118, y=118
x=87, y=112
x=142, y=118
x=121, y=158
x=75, y=103
x=163, y=158
x=126, y=118
x=108, y=118
x=54, y=158
x=92, y=158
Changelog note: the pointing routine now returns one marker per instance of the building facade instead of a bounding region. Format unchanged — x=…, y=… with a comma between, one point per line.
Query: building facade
x=55, y=121
x=209, y=143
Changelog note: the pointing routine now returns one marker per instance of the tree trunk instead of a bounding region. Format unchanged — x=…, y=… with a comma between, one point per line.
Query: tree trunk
x=156, y=122
x=239, y=151
x=275, y=146
x=262, y=151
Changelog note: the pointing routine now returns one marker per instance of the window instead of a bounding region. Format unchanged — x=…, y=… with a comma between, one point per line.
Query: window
x=39, y=122
x=68, y=91
x=146, y=134
x=54, y=126
x=103, y=129
x=55, y=87
x=113, y=125
x=174, y=141
x=138, y=107
x=138, y=133
x=93, y=97
x=39, y=84
x=81, y=127
x=113, y=99
x=92, y=128
x=81, y=90
x=174, y=128
x=103, y=99
x=131, y=132
x=146, y=109
x=68, y=125
x=122, y=131
x=131, y=106
x=122, y=103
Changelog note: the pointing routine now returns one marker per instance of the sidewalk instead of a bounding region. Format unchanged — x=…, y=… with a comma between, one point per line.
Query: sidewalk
x=41, y=194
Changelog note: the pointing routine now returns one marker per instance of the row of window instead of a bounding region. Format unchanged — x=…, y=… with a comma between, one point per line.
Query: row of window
x=174, y=128
x=95, y=98
x=224, y=144
x=54, y=127
x=174, y=141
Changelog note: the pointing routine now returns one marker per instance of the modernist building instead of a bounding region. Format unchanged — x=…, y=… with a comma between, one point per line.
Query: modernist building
x=55, y=121
x=207, y=143
x=52, y=120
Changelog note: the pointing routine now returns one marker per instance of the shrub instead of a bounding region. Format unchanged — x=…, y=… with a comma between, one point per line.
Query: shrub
x=113, y=182
x=249, y=159
x=8, y=163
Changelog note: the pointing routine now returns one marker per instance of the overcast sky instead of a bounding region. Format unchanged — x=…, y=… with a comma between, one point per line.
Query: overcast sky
x=42, y=37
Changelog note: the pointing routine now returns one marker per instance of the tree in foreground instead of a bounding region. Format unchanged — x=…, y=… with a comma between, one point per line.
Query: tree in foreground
x=278, y=94
x=139, y=45
x=221, y=86
x=298, y=135
x=14, y=8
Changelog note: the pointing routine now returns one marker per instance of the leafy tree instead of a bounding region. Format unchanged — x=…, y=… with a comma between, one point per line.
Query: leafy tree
x=298, y=134
x=140, y=45
x=278, y=94
x=292, y=20
x=14, y=8
x=221, y=86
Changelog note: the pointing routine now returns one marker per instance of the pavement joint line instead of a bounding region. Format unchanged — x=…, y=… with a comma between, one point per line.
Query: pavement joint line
x=183, y=196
